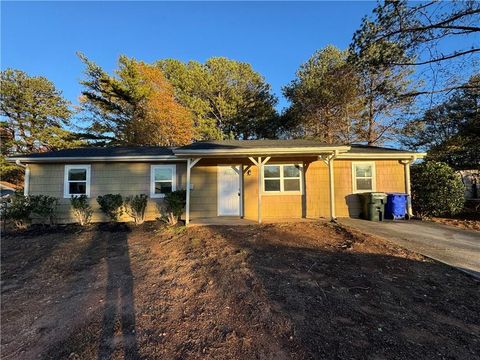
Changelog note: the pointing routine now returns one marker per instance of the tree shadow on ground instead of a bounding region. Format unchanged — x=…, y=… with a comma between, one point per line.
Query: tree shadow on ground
x=35, y=245
x=119, y=302
x=114, y=322
x=346, y=304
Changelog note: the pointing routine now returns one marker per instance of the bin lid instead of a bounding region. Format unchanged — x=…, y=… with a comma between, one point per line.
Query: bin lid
x=373, y=195
x=396, y=194
x=377, y=194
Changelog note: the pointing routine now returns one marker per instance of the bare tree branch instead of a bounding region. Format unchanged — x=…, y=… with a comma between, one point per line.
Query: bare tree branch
x=442, y=58
x=438, y=25
x=444, y=90
x=468, y=29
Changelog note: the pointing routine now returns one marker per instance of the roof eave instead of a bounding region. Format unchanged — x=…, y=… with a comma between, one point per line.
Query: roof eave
x=392, y=155
x=262, y=151
x=181, y=155
x=95, y=158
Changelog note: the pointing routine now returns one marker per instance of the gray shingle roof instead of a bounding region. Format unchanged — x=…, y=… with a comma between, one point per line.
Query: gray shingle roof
x=103, y=152
x=253, y=144
x=256, y=144
x=150, y=151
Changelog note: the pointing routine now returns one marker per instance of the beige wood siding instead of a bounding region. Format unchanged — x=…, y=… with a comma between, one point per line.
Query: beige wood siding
x=203, y=195
x=106, y=178
x=277, y=206
x=346, y=203
x=316, y=175
x=250, y=192
x=315, y=204
x=134, y=178
x=390, y=177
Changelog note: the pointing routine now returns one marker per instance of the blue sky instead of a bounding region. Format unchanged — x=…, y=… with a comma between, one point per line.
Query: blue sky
x=42, y=38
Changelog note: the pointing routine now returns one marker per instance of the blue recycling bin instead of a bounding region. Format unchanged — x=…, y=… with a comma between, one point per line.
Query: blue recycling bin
x=396, y=207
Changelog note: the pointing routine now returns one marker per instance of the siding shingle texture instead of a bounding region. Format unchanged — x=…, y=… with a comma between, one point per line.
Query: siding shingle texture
x=130, y=178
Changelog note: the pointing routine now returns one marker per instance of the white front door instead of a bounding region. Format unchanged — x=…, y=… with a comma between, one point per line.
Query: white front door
x=229, y=190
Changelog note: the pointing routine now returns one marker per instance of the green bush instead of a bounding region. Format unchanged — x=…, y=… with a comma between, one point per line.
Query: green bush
x=436, y=190
x=81, y=209
x=111, y=205
x=18, y=210
x=44, y=206
x=135, y=207
x=174, y=203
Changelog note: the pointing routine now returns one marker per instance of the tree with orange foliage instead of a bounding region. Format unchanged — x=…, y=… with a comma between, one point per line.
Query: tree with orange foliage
x=135, y=107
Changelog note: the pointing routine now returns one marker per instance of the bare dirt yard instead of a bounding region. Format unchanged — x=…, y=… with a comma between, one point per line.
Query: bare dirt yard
x=284, y=291
x=468, y=224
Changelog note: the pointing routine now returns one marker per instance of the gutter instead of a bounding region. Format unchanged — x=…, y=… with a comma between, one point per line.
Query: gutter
x=264, y=151
x=97, y=159
x=26, y=184
x=182, y=154
x=406, y=163
x=392, y=156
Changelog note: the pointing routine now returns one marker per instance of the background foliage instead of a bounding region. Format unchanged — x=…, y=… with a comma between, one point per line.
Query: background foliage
x=35, y=118
x=227, y=97
x=436, y=190
x=135, y=107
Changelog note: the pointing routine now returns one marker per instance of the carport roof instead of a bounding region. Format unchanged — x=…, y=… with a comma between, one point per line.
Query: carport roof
x=254, y=147
x=254, y=144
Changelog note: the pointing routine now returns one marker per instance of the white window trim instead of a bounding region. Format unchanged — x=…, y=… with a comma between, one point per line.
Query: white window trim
x=152, y=179
x=282, y=192
x=66, y=187
x=354, y=177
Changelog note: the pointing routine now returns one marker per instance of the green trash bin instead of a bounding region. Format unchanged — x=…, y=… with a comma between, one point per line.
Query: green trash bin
x=373, y=205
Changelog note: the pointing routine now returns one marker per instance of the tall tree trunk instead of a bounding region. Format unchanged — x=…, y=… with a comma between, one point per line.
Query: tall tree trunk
x=371, y=137
x=371, y=124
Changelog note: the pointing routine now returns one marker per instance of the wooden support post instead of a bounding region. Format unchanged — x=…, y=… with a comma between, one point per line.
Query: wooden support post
x=259, y=163
x=331, y=182
x=259, y=177
x=187, y=205
x=190, y=164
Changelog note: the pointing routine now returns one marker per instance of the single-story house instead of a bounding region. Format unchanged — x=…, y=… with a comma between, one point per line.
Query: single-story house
x=250, y=179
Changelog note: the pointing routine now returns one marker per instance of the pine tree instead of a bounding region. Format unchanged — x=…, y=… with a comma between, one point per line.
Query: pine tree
x=135, y=107
x=325, y=98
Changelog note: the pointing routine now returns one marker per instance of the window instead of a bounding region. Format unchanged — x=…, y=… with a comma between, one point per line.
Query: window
x=285, y=178
x=77, y=180
x=363, y=176
x=162, y=180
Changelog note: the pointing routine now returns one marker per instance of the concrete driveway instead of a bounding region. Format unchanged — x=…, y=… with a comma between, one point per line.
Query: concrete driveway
x=450, y=245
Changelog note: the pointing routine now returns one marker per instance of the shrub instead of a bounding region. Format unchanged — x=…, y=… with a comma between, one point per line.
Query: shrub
x=4, y=203
x=44, y=206
x=135, y=207
x=18, y=210
x=81, y=209
x=111, y=205
x=174, y=205
x=436, y=190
